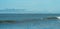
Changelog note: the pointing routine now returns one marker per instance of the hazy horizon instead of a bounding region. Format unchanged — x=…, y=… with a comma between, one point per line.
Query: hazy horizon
x=30, y=6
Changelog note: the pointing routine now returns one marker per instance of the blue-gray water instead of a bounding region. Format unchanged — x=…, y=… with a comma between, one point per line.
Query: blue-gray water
x=35, y=24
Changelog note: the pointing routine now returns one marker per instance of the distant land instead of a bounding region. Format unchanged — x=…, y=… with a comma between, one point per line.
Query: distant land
x=12, y=10
x=22, y=11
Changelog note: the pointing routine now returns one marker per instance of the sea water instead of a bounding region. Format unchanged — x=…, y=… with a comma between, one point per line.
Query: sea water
x=30, y=21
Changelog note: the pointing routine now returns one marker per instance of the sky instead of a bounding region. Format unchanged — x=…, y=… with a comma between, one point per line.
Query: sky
x=30, y=6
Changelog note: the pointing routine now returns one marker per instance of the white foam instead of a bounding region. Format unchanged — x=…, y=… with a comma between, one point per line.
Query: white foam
x=58, y=17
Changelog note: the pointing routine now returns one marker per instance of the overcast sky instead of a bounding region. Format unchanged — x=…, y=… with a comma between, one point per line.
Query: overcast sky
x=32, y=6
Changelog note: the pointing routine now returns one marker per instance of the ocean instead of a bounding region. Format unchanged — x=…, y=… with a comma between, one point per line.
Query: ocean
x=30, y=21
x=24, y=16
